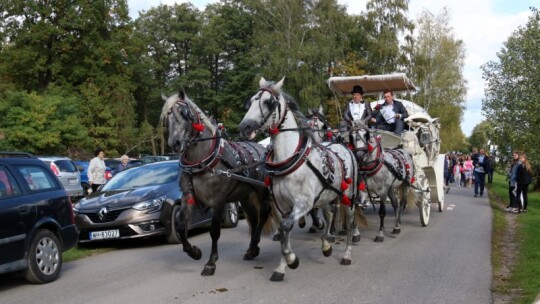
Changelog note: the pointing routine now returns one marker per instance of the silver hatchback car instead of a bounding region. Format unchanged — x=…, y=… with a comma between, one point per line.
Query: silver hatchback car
x=67, y=173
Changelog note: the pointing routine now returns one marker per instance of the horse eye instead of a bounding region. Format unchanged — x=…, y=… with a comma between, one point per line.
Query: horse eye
x=247, y=103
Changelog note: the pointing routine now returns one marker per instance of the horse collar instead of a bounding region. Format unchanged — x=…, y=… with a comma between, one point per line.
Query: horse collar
x=371, y=168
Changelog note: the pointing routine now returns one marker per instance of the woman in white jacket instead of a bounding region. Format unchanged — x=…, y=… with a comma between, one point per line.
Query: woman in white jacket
x=96, y=170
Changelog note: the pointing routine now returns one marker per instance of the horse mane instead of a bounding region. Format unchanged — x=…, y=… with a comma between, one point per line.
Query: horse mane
x=171, y=101
x=295, y=109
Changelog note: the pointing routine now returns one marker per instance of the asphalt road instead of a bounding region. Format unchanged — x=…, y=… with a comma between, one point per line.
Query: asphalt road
x=446, y=262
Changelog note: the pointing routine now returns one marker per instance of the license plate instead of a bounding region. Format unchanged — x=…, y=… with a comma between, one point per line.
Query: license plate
x=72, y=181
x=106, y=234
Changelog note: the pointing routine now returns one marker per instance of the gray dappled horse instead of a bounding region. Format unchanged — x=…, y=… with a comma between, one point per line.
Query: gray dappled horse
x=304, y=174
x=384, y=171
x=203, y=154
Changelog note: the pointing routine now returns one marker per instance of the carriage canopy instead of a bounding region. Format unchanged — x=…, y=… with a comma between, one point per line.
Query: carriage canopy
x=372, y=84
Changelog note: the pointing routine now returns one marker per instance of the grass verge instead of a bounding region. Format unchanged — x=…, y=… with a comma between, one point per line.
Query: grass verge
x=515, y=246
x=79, y=252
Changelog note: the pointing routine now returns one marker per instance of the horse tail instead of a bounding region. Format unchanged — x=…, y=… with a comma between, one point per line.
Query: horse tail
x=257, y=209
x=271, y=223
x=359, y=217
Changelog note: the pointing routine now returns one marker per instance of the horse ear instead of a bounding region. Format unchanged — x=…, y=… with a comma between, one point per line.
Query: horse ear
x=182, y=94
x=164, y=97
x=277, y=86
x=309, y=111
x=321, y=110
x=262, y=82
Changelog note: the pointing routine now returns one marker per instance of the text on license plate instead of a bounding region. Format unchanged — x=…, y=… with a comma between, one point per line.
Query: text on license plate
x=106, y=234
x=72, y=181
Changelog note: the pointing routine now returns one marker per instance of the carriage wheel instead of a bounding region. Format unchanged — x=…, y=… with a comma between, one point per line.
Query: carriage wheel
x=441, y=204
x=425, y=203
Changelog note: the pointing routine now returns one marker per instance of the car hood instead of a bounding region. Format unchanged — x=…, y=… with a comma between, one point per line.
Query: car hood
x=120, y=198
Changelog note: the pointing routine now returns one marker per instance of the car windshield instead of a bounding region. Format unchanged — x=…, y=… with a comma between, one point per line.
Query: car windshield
x=144, y=176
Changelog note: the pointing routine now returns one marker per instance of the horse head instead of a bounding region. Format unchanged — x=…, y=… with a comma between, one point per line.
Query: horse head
x=265, y=109
x=317, y=121
x=184, y=120
x=363, y=141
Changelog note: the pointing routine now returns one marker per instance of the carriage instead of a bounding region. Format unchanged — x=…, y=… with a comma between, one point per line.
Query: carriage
x=421, y=138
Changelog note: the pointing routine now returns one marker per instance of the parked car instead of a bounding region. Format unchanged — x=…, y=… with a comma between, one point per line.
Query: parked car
x=140, y=202
x=114, y=162
x=82, y=166
x=154, y=158
x=36, y=218
x=67, y=173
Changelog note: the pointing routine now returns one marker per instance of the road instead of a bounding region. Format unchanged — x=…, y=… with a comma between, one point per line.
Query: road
x=446, y=262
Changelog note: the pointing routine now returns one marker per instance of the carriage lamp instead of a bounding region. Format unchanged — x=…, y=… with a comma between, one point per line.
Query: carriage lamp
x=150, y=206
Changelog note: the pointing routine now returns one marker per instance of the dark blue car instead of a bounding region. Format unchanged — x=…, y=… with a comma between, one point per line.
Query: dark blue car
x=36, y=218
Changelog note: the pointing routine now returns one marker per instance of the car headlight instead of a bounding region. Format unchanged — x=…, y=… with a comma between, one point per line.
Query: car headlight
x=150, y=205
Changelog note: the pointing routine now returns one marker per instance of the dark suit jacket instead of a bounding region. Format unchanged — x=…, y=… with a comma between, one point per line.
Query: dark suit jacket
x=398, y=108
x=368, y=113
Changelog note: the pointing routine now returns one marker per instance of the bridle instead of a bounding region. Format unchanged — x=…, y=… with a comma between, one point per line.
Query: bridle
x=370, y=168
x=275, y=111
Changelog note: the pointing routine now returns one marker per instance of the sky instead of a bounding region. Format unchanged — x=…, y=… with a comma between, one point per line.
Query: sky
x=483, y=25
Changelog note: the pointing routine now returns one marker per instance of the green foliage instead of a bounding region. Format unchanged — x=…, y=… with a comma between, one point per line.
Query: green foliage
x=511, y=97
x=40, y=123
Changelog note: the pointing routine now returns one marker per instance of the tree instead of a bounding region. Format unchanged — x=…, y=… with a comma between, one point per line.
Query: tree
x=437, y=68
x=512, y=97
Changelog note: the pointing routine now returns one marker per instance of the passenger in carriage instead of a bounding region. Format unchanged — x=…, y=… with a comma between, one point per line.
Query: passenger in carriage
x=357, y=109
x=391, y=114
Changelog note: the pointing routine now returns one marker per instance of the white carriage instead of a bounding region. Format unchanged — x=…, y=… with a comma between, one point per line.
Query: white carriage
x=421, y=138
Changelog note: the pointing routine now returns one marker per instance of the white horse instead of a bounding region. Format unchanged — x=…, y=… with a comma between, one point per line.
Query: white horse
x=304, y=174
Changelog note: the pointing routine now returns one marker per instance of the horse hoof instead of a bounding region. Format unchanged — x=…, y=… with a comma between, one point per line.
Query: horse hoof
x=277, y=237
x=356, y=238
x=342, y=232
x=327, y=252
x=277, y=276
x=345, y=262
x=319, y=225
x=331, y=238
x=312, y=229
x=251, y=254
x=379, y=239
x=396, y=231
x=208, y=271
x=294, y=264
x=195, y=253
x=301, y=222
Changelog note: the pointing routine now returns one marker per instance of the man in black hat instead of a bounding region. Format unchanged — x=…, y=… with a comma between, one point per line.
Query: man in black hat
x=357, y=109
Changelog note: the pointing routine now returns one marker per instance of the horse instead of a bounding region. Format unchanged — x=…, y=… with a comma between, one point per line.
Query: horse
x=384, y=172
x=302, y=173
x=215, y=171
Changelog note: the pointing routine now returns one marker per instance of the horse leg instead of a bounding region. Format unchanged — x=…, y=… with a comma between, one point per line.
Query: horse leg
x=182, y=219
x=356, y=232
x=257, y=221
x=397, y=212
x=382, y=213
x=288, y=258
x=326, y=236
x=215, y=233
x=349, y=212
x=317, y=224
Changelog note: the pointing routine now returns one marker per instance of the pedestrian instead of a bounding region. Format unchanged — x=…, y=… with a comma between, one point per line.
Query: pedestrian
x=468, y=169
x=491, y=168
x=511, y=175
x=480, y=163
x=124, y=164
x=96, y=170
x=524, y=178
x=447, y=169
x=457, y=174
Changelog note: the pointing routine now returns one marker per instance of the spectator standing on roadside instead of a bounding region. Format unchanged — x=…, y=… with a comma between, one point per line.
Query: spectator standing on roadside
x=524, y=178
x=96, y=170
x=480, y=163
x=447, y=169
x=511, y=174
x=468, y=169
x=491, y=168
x=124, y=164
x=458, y=168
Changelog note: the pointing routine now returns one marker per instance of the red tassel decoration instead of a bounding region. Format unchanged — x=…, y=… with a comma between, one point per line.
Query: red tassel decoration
x=351, y=146
x=407, y=166
x=413, y=180
x=346, y=200
x=198, y=127
x=348, y=180
x=362, y=186
x=190, y=199
x=370, y=147
x=267, y=181
x=344, y=185
x=329, y=134
x=273, y=130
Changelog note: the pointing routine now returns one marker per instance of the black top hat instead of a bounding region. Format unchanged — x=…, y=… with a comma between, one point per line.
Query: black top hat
x=357, y=89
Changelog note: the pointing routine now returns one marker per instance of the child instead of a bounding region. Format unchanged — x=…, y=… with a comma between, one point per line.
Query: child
x=458, y=168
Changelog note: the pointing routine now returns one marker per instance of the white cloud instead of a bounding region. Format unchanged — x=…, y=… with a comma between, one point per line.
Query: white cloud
x=483, y=25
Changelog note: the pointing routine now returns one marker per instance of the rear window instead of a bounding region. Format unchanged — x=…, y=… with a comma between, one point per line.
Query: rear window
x=65, y=165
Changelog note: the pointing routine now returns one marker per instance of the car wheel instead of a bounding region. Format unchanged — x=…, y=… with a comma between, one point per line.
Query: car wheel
x=231, y=215
x=173, y=237
x=44, y=258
